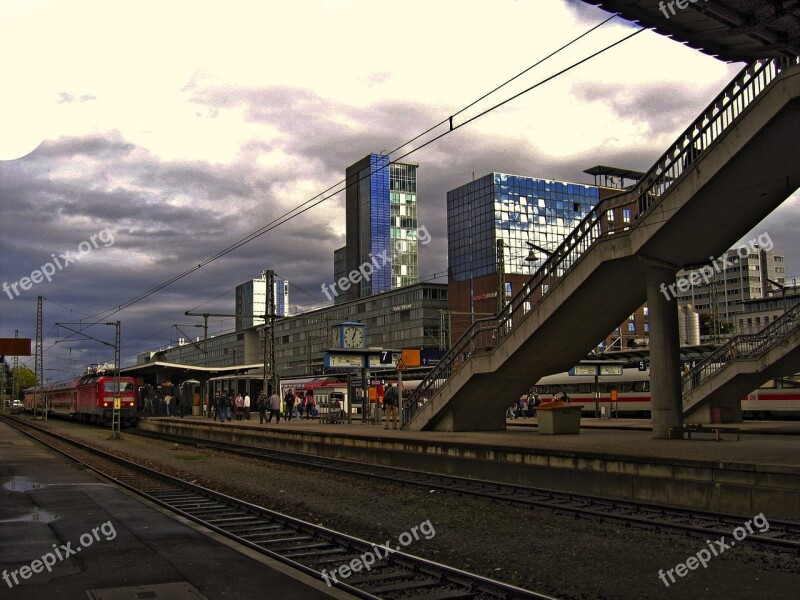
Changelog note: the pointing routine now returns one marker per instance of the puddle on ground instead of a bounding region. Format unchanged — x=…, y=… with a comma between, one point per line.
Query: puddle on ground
x=37, y=516
x=20, y=484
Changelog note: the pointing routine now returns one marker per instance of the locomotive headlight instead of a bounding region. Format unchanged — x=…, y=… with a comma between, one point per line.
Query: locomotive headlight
x=105, y=403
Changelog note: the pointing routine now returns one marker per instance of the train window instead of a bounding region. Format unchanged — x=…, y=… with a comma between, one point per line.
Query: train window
x=641, y=386
x=124, y=386
x=584, y=388
x=782, y=383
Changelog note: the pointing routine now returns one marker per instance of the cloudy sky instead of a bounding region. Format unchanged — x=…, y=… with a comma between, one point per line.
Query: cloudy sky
x=178, y=128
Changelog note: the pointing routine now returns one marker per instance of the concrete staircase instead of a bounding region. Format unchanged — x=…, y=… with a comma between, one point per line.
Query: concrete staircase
x=713, y=390
x=732, y=167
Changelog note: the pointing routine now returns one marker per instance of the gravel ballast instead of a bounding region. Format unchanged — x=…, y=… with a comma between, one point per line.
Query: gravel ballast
x=532, y=548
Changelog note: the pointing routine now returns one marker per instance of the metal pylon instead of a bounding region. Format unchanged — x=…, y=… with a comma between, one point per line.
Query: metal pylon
x=38, y=361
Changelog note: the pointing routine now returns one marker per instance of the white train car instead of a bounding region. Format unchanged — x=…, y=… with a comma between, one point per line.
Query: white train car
x=778, y=398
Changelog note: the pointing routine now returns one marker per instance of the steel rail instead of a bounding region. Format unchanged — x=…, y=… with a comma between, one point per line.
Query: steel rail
x=782, y=535
x=301, y=545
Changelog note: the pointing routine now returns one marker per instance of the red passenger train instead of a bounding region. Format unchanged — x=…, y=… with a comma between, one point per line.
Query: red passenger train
x=89, y=399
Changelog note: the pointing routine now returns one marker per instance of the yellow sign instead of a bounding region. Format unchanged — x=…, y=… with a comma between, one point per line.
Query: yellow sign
x=117, y=403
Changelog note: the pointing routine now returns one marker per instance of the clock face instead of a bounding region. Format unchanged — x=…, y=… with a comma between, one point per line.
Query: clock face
x=353, y=337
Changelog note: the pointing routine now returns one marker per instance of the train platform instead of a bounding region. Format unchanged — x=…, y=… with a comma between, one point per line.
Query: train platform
x=67, y=533
x=759, y=472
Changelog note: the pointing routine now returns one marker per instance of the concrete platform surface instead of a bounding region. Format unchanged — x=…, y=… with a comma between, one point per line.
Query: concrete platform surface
x=773, y=443
x=106, y=538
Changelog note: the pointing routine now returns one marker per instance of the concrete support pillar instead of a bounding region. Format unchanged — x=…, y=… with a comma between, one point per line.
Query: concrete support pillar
x=665, y=361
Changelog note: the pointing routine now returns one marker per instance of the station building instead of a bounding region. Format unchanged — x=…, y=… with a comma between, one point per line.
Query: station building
x=760, y=312
x=404, y=318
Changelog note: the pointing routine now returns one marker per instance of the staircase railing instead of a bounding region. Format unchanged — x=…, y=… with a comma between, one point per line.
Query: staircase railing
x=485, y=335
x=747, y=346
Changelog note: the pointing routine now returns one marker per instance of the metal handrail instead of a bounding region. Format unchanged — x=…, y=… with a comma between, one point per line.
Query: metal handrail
x=746, y=346
x=486, y=334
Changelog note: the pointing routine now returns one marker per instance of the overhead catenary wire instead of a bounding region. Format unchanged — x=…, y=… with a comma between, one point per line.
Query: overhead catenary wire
x=337, y=188
x=332, y=190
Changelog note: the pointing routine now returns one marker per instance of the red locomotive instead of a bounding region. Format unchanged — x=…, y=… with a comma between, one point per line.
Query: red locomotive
x=89, y=399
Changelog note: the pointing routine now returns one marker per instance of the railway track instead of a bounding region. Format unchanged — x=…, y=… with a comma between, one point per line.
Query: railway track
x=781, y=536
x=306, y=547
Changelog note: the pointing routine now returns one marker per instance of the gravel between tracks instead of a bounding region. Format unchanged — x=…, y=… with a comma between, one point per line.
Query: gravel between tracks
x=553, y=554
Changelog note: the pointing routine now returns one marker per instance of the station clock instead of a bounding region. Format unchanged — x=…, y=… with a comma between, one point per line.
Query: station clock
x=351, y=336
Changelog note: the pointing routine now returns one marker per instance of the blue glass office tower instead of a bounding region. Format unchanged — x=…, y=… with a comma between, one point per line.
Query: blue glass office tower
x=381, y=226
x=514, y=209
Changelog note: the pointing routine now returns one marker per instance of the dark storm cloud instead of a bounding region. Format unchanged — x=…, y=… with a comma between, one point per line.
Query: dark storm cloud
x=101, y=147
x=661, y=107
x=169, y=215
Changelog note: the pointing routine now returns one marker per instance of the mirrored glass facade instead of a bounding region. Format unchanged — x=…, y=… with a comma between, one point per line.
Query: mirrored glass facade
x=517, y=210
x=405, y=248
x=381, y=225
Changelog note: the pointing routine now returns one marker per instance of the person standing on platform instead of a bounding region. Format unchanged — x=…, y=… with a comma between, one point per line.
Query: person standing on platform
x=167, y=400
x=298, y=406
x=238, y=406
x=274, y=408
x=215, y=406
x=225, y=407
x=247, y=406
x=309, y=404
x=261, y=405
x=288, y=408
x=391, y=400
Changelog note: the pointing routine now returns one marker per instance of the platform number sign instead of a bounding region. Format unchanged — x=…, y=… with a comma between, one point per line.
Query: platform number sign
x=644, y=365
x=117, y=403
x=386, y=357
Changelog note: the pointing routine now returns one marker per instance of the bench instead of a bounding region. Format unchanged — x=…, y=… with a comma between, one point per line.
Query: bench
x=689, y=428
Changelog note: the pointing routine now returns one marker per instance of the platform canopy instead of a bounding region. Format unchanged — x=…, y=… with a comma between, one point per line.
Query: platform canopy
x=731, y=30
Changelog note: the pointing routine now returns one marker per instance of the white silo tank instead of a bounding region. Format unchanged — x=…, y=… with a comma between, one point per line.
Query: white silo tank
x=688, y=325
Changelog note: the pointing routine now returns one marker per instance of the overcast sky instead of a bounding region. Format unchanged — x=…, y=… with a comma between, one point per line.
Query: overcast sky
x=178, y=128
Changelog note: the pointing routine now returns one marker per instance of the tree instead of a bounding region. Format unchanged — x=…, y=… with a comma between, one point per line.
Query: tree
x=27, y=379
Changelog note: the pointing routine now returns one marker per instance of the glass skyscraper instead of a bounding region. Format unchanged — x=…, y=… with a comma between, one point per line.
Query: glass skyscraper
x=515, y=209
x=381, y=204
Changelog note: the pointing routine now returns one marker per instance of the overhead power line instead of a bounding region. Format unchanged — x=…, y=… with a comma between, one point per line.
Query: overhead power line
x=338, y=187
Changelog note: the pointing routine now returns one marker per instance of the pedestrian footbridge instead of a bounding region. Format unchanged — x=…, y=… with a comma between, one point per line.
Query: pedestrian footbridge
x=713, y=389
x=731, y=167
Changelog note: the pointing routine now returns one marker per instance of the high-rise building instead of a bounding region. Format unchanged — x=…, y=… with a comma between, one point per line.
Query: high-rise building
x=516, y=210
x=742, y=274
x=251, y=299
x=381, y=204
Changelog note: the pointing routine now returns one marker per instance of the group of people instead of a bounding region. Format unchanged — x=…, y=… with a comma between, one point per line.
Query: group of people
x=526, y=406
x=154, y=404
x=225, y=405
x=292, y=405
